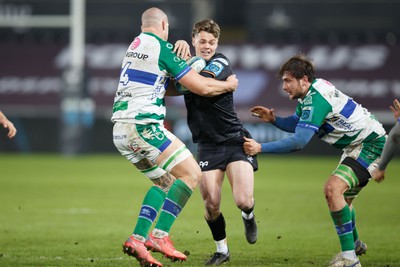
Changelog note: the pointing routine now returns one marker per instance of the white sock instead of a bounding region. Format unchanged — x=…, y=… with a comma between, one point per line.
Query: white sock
x=157, y=233
x=222, y=246
x=349, y=254
x=247, y=216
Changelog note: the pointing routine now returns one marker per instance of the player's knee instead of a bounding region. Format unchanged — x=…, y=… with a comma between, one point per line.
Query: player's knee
x=330, y=191
x=192, y=179
x=244, y=203
x=196, y=176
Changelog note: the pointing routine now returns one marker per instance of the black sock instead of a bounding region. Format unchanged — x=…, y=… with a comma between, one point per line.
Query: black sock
x=217, y=227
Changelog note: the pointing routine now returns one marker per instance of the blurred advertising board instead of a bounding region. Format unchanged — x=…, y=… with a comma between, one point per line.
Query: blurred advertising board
x=32, y=76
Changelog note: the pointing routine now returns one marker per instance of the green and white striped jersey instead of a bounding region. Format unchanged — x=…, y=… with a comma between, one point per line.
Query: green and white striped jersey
x=147, y=68
x=335, y=117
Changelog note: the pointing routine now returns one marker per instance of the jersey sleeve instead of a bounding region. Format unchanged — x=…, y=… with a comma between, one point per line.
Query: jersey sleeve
x=218, y=68
x=293, y=143
x=313, y=111
x=172, y=64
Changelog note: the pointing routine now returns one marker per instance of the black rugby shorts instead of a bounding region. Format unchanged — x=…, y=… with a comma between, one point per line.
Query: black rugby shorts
x=214, y=157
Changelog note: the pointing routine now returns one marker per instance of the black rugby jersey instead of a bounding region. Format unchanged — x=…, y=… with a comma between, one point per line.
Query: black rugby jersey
x=214, y=119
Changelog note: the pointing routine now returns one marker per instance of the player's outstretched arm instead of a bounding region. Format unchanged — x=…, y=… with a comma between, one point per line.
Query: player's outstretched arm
x=293, y=143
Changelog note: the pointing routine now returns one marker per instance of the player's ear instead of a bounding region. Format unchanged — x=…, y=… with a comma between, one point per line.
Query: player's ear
x=304, y=80
x=165, y=25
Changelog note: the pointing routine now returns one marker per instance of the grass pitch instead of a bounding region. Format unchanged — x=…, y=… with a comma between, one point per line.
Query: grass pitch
x=58, y=211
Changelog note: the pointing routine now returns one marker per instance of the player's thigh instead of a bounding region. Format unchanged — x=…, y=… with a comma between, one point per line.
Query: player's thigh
x=241, y=177
x=151, y=141
x=127, y=139
x=211, y=186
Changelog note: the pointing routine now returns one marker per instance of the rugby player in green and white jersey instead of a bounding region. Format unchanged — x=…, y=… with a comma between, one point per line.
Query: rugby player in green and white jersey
x=337, y=119
x=139, y=134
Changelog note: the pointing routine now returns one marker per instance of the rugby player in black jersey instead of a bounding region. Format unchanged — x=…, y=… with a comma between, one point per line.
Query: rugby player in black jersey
x=219, y=135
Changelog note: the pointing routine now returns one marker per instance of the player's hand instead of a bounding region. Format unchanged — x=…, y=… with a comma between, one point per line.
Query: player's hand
x=233, y=83
x=378, y=175
x=251, y=147
x=265, y=114
x=395, y=109
x=182, y=49
x=12, y=131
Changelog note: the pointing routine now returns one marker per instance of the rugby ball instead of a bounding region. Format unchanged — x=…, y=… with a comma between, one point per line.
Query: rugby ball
x=196, y=63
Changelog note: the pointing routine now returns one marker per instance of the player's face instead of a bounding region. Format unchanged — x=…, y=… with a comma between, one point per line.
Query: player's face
x=295, y=88
x=205, y=44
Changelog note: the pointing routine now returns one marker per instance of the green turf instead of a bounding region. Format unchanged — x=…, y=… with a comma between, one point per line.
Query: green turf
x=58, y=211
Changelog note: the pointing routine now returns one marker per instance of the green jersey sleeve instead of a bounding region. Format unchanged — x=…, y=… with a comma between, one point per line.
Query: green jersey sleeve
x=313, y=110
x=170, y=62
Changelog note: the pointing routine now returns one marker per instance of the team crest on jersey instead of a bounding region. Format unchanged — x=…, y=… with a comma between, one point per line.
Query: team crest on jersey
x=308, y=99
x=306, y=113
x=135, y=43
x=215, y=67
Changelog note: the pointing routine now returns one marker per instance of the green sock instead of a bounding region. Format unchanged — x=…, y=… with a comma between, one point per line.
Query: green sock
x=176, y=199
x=152, y=203
x=342, y=221
x=353, y=219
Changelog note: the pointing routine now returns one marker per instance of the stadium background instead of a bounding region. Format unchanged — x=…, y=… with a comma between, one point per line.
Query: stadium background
x=355, y=44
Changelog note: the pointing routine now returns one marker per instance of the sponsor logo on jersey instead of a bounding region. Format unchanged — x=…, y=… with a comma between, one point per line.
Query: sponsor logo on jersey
x=215, y=67
x=134, y=147
x=341, y=123
x=250, y=159
x=336, y=93
x=202, y=164
x=306, y=113
x=118, y=137
x=124, y=94
x=136, y=55
x=135, y=43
